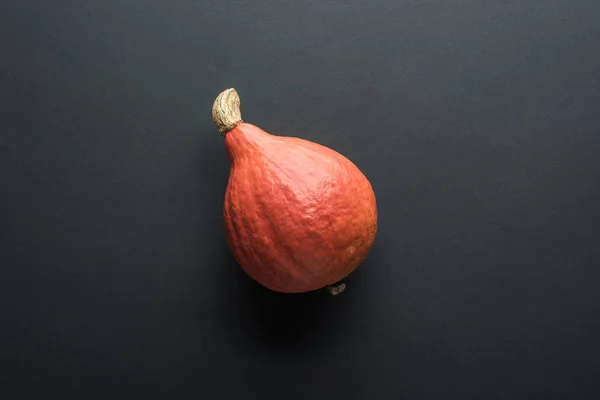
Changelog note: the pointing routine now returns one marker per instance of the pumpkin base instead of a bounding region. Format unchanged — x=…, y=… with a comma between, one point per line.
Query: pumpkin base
x=336, y=288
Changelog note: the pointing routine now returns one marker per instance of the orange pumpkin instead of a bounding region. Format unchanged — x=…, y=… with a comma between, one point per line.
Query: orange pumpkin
x=298, y=216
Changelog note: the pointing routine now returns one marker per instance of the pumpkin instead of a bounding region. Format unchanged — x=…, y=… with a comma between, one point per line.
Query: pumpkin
x=298, y=215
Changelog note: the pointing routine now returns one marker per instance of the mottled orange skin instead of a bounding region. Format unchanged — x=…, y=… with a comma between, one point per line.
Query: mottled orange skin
x=298, y=216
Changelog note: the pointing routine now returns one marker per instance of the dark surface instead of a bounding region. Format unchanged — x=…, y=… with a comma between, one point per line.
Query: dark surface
x=477, y=122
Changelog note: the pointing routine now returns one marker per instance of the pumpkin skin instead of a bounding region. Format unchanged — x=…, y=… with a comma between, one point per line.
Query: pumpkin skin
x=298, y=215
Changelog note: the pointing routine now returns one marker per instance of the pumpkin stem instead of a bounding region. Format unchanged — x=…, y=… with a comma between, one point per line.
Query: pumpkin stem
x=226, y=113
x=336, y=288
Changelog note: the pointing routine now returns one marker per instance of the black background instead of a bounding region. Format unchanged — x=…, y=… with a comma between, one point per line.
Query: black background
x=477, y=122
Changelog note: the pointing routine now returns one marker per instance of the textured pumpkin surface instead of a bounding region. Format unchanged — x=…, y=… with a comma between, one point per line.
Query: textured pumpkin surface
x=298, y=216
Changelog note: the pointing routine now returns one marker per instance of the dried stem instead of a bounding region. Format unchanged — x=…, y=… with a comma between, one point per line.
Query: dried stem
x=226, y=113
